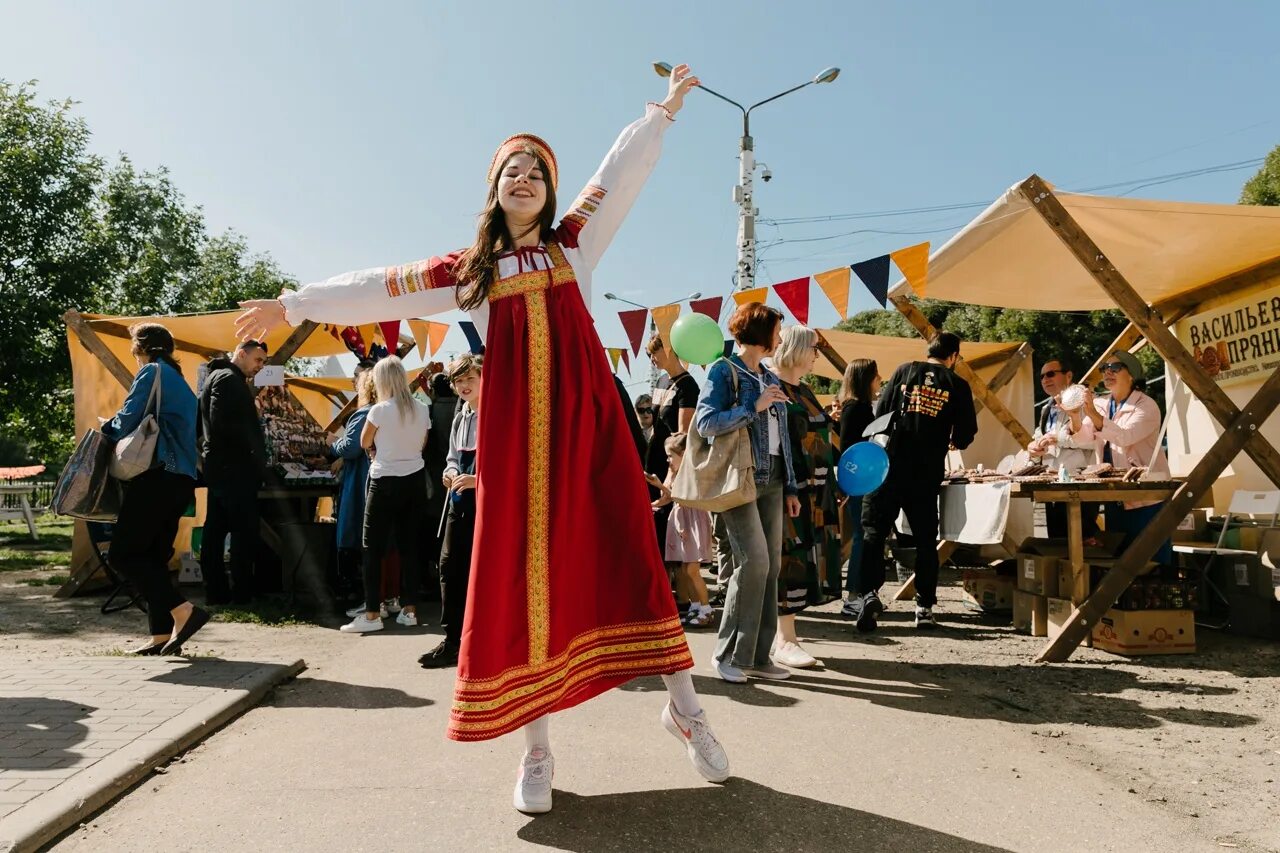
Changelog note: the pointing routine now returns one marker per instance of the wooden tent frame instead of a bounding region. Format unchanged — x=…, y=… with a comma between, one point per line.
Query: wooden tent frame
x=1150, y=323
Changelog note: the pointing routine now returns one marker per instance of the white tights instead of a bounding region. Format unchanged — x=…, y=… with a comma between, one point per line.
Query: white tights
x=679, y=686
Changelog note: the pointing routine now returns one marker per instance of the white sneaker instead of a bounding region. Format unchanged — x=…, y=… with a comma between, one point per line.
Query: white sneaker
x=705, y=752
x=407, y=619
x=533, y=782
x=771, y=671
x=790, y=654
x=358, y=611
x=361, y=625
x=391, y=605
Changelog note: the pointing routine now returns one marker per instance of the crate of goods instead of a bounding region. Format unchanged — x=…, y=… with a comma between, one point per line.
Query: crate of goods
x=989, y=592
x=1058, y=611
x=1146, y=632
x=1030, y=613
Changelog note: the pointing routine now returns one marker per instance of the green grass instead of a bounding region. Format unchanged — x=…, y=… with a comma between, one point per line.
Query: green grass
x=49, y=580
x=271, y=612
x=52, y=552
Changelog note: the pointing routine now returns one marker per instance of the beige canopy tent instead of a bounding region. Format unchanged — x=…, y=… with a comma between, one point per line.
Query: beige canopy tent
x=1200, y=282
x=102, y=370
x=1002, y=367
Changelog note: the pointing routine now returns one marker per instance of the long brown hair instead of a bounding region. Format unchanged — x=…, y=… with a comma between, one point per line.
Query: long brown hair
x=478, y=266
x=858, y=377
x=154, y=342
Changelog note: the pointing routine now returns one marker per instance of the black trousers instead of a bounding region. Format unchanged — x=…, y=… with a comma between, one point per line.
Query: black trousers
x=455, y=565
x=918, y=498
x=395, y=513
x=142, y=541
x=1055, y=516
x=231, y=510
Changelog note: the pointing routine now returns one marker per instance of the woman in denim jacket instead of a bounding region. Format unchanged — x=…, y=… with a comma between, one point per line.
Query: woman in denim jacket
x=750, y=617
x=142, y=541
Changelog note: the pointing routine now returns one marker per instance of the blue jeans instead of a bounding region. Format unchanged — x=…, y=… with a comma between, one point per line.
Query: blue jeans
x=750, y=617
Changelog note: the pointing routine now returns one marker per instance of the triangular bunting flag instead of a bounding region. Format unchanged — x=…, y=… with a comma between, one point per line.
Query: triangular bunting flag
x=421, y=331
x=633, y=324
x=710, y=307
x=728, y=348
x=795, y=295
x=913, y=261
x=759, y=294
x=366, y=338
x=664, y=317
x=835, y=284
x=436, y=335
x=626, y=360
x=875, y=275
x=473, y=337
x=391, y=335
x=615, y=353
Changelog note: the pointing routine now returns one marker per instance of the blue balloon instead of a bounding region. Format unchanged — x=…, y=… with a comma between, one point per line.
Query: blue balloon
x=862, y=469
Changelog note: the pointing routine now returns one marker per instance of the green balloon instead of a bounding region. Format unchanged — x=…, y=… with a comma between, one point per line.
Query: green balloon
x=697, y=339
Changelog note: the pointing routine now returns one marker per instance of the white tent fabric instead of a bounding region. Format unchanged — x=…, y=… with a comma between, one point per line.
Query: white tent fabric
x=1008, y=257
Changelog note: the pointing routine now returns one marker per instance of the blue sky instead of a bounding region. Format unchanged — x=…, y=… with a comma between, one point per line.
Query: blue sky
x=338, y=136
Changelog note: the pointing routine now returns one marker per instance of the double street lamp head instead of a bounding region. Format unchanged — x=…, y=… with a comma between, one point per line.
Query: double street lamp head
x=828, y=75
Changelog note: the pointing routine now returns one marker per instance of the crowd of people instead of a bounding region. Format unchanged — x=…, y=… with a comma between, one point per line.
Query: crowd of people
x=566, y=592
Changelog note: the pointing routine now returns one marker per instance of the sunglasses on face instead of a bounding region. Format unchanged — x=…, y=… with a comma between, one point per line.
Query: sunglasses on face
x=1113, y=367
x=1049, y=374
x=644, y=411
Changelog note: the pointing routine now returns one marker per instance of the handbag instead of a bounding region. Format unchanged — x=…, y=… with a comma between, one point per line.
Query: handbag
x=885, y=429
x=135, y=453
x=85, y=487
x=718, y=473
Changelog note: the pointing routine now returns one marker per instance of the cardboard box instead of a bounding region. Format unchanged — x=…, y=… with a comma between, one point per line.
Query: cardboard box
x=1030, y=613
x=988, y=592
x=1038, y=574
x=1243, y=538
x=1058, y=610
x=1194, y=527
x=1146, y=632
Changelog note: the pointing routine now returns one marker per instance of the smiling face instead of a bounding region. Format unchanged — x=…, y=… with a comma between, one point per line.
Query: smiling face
x=467, y=386
x=1117, y=379
x=522, y=189
x=1053, y=379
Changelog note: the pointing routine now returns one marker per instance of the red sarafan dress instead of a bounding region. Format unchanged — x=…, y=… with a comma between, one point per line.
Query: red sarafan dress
x=568, y=595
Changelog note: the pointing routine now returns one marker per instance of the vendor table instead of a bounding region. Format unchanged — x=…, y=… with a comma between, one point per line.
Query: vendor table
x=1074, y=494
x=974, y=514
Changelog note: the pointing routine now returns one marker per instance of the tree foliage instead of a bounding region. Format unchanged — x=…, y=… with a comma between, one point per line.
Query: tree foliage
x=79, y=233
x=1264, y=187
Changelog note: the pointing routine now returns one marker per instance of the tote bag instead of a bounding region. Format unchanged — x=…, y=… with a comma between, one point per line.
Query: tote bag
x=717, y=473
x=85, y=488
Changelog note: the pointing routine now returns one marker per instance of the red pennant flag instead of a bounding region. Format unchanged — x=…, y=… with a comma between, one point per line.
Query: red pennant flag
x=795, y=295
x=626, y=360
x=710, y=307
x=391, y=335
x=633, y=323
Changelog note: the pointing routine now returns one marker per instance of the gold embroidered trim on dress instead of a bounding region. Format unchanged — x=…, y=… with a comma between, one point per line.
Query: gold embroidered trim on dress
x=537, y=524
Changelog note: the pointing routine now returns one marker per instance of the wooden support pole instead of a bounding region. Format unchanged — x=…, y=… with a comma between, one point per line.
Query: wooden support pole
x=292, y=344
x=1006, y=373
x=119, y=330
x=1124, y=341
x=980, y=391
x=831, y=355
x=90, y=340
x=1237, y=434
x=1145, y=318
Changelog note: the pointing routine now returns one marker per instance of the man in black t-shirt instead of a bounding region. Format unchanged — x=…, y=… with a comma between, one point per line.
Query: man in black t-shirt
x=933, y=412
x=676, y=395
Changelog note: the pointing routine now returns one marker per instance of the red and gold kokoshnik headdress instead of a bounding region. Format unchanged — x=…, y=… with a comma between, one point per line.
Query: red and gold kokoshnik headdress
x=518, y=143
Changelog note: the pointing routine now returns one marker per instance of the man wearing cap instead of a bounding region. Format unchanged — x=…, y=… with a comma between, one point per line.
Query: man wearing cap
x=1127, y=425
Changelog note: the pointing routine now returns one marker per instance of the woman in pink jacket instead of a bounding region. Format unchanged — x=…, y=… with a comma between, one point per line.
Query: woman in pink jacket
x=1127, y=425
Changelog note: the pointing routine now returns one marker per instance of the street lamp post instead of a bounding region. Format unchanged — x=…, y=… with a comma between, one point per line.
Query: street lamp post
x=743, y=194
x=653, y=325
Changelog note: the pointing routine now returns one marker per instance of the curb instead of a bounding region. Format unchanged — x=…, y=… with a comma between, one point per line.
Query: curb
x=48, y=816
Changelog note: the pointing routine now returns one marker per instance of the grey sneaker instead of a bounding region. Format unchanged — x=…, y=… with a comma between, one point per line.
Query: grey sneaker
x=769, y=670
x=924, y=619
x=533, y=783
x=730, y=673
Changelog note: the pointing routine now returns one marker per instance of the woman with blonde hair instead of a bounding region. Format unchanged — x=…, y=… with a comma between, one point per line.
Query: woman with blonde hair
x=394, y=433
x=571, y=589
x=811, y=540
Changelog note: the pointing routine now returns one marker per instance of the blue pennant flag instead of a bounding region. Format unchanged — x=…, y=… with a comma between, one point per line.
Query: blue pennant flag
x=728, y=348
x=473, y=337
x=875, y=275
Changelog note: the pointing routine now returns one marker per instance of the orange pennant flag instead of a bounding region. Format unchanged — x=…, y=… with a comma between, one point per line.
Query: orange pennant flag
x=436, y=333
x=367, y=335
x=835, y=284
x=614, y=355
x=759, y=294
x=664, y=317
x=913, y=262
x=421, y=331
